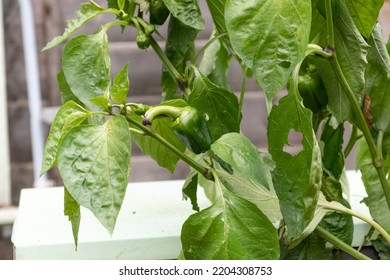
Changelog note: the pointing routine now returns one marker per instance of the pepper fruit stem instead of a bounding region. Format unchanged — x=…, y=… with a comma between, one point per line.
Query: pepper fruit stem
x=163, y=110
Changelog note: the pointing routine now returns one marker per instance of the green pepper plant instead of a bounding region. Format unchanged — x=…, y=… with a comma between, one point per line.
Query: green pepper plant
x=333, y=60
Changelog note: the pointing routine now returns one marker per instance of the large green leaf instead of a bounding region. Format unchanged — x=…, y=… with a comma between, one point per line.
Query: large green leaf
x=297, y=177
x=232, y=228
x=86, y=66
x=158, y=152
x=244, y=158
x=187, y=11
x=265, y=200
x=375, y=200
x=68, y=116
x=94, y=162
x=365, y=14
x=251, y=177
x=351, y=50
x=270, y=37
x=179, y=49
x=220, y=105
x=88, y=11
x=378, y=80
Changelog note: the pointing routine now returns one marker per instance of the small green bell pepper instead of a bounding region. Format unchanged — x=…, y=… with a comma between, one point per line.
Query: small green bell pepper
x=312, y=90
x=143, y=41
x=191, y=128
x=189, y=125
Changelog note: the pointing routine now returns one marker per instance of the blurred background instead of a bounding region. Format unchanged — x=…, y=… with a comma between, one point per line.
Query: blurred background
x=30, y=107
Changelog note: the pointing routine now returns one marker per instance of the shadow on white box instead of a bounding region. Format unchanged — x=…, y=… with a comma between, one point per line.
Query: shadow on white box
x=148, y=226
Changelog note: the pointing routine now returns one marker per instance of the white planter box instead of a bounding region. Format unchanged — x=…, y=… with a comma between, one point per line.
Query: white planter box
x=148, y=226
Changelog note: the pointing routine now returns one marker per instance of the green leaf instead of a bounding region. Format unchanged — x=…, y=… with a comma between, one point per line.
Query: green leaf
x=270, y=37
x=190, y=187
x=217, y=10
x=179, y=49
x=251, y=177
x=340, y=225
x=86, y=66
x=265, y=200
x=232, y=228
x=65, y=91
x=375, y=200
x=220, y=105
x=215, y=63
x=187, y=11
x=365, y=14
x=243, y=157
x=119, y=89
x=378, y=80
x=382, y=247
x=331, y=143
x=72, y=210
x=311, y=248
x=94, y=163
x=101, y=101
x=318, y=25
x=88, y=11
x=351, y=54
x=158, y=152
x=68, y=116
x=297, y=178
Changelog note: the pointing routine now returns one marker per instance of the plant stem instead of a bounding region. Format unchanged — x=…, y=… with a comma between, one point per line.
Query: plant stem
x=342, y=209
x=169, y=66
x=329, y=24
x=340, y=244
x=202, y=170
x=376, y=156
x=316, y=49
x=114, y=23
x=379, y=142
x=212, y=40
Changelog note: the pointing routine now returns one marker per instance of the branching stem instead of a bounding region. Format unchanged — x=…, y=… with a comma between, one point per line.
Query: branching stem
x=340, y=244
x=202, y=170
x=377, y=159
